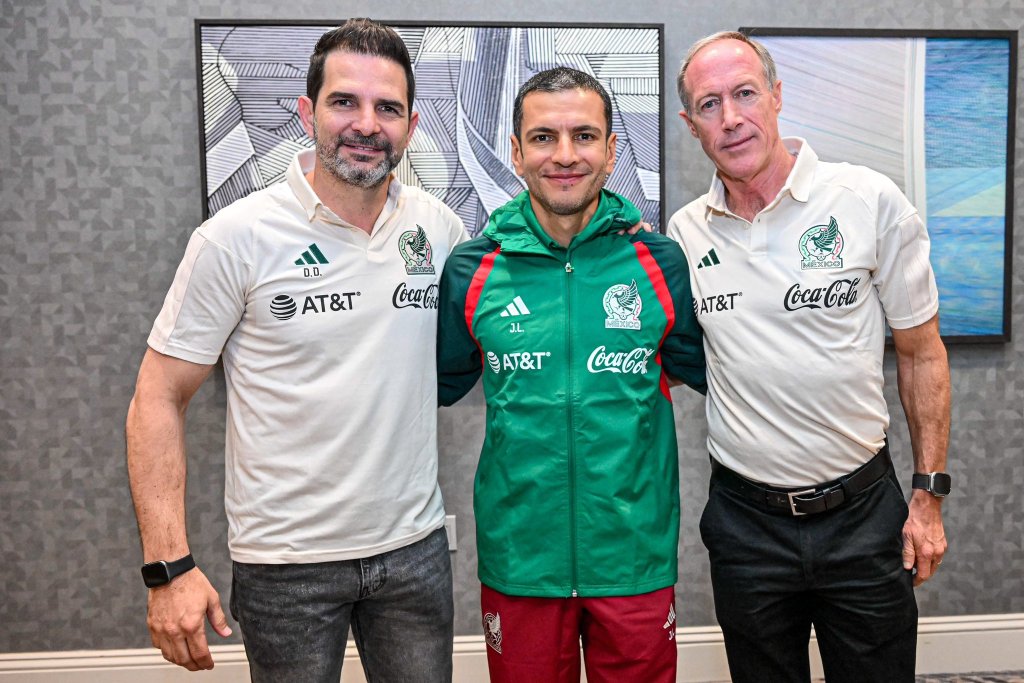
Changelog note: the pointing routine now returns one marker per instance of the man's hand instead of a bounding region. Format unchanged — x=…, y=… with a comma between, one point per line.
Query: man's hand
x=924, y=540
x=642, y=225
x=177, y=620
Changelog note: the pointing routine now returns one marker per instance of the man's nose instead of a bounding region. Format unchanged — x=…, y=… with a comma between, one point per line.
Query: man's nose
x=565, y=152
x=731, y=115
x=366, y=122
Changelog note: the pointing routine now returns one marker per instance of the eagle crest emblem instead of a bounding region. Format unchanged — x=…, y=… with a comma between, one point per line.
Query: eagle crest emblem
x=622, y=304
x=821, y=245
x=492, y=631
x=414, y=247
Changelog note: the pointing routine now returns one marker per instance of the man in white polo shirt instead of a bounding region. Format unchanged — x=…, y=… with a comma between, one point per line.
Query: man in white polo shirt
x=796, y=265
x=320, y=295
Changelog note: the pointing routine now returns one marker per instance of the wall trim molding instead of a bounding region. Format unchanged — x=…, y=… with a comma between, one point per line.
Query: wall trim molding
x=960, y=644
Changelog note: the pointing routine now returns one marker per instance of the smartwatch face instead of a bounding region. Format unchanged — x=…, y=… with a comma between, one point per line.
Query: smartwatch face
x=941, y=483
x=155, y=574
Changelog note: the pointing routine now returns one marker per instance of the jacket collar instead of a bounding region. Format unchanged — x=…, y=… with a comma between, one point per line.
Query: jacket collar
x=515, y=227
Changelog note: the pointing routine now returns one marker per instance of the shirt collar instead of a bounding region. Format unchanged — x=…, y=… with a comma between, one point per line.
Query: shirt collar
x=802, y=176
x=295, y=176
x=798, y=183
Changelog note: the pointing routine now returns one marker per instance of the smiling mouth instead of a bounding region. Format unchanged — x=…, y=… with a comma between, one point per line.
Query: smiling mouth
x=565, y=178
x=363, y=149
x=368, y=145
x=729, y=146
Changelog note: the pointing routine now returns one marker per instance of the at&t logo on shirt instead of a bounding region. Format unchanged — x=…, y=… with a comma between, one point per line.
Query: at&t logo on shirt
x=527, y=360
x=715, y=303
x=283, y=307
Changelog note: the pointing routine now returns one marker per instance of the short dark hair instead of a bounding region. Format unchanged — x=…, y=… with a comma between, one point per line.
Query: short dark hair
x=767, y=63
x=556, y=80
x=362, y=37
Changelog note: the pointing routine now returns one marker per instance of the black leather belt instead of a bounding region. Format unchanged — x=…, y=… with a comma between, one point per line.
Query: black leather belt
x=809, y=500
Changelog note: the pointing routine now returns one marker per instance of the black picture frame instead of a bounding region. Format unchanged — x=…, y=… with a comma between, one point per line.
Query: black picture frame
x=975, y=300
x=269, y=70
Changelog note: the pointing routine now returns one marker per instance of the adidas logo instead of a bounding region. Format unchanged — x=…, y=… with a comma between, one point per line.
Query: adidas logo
x=517, y=307
x=671, y=621
x=311, y=257
x=711, y=259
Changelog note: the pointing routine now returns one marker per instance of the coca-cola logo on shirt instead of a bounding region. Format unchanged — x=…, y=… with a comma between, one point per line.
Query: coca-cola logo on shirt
x=632, y=362
x=838, y=294
x=405, y=296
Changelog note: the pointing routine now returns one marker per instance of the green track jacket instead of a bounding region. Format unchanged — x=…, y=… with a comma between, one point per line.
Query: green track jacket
x=577, y=488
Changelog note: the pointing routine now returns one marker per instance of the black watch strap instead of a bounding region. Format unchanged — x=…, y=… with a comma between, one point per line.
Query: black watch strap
x=938, y=484
x=161, y=572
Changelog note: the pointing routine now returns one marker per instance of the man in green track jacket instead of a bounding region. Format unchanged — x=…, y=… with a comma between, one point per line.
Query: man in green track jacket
x=576, y=329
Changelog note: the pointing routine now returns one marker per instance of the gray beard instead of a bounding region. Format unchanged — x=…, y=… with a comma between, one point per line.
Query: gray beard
x=342, y=169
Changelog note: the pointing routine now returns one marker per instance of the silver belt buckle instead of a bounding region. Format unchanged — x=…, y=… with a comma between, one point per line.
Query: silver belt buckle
x=792, y=503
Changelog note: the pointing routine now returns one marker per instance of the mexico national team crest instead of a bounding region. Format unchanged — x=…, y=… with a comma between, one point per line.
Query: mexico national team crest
x=821, y=246
x=622, y=304
x=415, y=249
x=492, y=631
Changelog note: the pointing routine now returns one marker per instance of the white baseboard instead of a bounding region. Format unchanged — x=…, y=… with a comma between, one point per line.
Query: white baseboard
x=989, y=642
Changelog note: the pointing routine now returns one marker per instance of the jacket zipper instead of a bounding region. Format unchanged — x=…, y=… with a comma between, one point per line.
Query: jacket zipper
x=572, y=431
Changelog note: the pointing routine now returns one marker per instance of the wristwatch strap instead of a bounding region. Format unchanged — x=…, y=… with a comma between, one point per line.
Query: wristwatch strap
x=936, y=483
x=161, y=572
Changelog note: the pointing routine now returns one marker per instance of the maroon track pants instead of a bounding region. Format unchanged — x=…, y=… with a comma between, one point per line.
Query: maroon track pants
x=628, y=638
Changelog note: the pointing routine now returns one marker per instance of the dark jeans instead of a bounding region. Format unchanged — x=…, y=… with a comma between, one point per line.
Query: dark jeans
x=775, y=575
x=295, y=617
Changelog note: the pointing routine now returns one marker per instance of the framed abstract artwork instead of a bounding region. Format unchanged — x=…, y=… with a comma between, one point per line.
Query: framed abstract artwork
x=935, y=111
x=252, y=72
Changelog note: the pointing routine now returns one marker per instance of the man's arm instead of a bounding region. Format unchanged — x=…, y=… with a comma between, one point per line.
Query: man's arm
x=155, y=434
x=922, y=373
x=682, y=350
x=459, y=363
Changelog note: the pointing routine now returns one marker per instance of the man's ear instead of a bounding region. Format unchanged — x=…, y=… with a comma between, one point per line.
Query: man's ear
x=517, y=154
x=689, y=124
x=612, y=143
x=306, y=115
x=414, y=119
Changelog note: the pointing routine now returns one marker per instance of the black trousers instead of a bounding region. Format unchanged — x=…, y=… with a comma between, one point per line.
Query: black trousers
x=775, y=575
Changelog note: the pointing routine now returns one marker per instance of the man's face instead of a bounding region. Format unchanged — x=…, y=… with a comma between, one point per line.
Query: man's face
x=565, y=154
x=361, y=123
x=733, y=113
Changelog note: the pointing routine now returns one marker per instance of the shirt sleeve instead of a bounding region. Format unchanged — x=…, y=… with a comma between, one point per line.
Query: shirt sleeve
x=682, y=352
x=457, y=232
x=204, y=304
x=459, y=363
x=903, y=278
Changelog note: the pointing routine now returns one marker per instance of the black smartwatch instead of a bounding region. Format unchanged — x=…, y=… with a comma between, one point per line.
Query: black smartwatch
x=161, y=572
x=936, y=483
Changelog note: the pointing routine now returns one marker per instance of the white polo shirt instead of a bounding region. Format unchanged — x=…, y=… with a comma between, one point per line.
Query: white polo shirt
x=792, y=306
x=328, y=340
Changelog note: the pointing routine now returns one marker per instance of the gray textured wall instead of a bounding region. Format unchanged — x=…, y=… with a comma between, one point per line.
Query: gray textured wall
x=100, y=190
